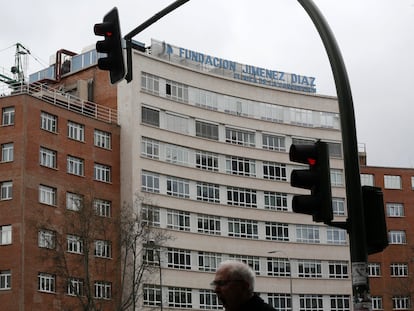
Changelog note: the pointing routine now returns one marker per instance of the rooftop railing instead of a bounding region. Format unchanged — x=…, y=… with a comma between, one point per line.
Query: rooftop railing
x=63, y=100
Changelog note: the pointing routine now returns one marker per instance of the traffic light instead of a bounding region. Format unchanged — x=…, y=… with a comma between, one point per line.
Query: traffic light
x=111, y=45
x=317, y=178
x=374, y=219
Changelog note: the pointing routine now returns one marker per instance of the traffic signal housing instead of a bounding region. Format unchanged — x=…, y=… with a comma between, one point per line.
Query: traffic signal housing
x=317, y=178
x=374, y=219
x=111, y=45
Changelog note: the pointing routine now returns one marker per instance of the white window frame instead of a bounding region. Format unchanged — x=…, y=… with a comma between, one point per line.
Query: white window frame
x=8, y=116
x=208, y=224
x=102, y=139
x=74, y=244
x=207, y=161
x=48, y=157
x=6, y=190
x=208, y=261
x=6, y=234
x=307, y=234
x=399, y=269
x=103, y=290
x=243, y=228
x=395, y=209
x=179, y=258
x=209, y=300
x=103, y=249
x=336, y=236
x=392, y=182
x=240, y=166
x=241, y=197
x=178, y=187
x=7, y=152
x=47, y=195
x=274, y=171
x=46, y=239
x=48, y=122
x=275, y=201
x=150, y=148
x=208, y=192
x=179, y=297
x=150, y=182
x=152, y=295
x=275, y=231
x=46, y=282
x=308, y=268
x=5, y=279
x=74, y=201
x=75, y=166
x=102, y=173
x=75, y=287
x=76, y=131
x=338, y=269
x=374, y=269
x=102, y=207
x=397, y=237
x=178, y=220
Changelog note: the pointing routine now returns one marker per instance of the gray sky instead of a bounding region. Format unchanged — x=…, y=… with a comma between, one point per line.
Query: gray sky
x=376, y=39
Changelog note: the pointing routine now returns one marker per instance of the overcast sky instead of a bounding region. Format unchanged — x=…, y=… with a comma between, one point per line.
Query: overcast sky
x=376, y=39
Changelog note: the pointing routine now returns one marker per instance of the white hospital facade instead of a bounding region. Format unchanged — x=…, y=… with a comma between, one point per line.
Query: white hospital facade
x=205, y=142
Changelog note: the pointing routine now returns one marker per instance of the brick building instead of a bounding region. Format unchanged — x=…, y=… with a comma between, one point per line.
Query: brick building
x=59, y=205
x=391, y=271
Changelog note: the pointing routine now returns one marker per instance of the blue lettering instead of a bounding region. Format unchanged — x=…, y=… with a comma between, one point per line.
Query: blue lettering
x=181, y=52
x=208, y=60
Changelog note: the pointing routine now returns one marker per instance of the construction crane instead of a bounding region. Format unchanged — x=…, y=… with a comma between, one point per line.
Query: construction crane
x=20, y=65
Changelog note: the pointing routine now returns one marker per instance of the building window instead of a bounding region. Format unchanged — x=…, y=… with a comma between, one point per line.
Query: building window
x=75, y=166
x=74, y=244
x=47, y=239
x=176, y=154
x=240, y=166
x=301, y=117
x=277, y=231
x=208, y=192
x=367, y=180
x=395, y=209
x=5, y=235
x=177, y=123
x=74, y=201
x=241, y=197
x=208, y=261
x=178, y=187
x=176, y=91
x=272, y=142
x=278, y=267
x=252, y=261
x=207, y=130
x=76, y=131
x=207, y=161
x=102, y=139
x=374, y=269
x=5, y=279
x=102, y=290
x=152, y=295
x=102, y=172
x=6, y=190
x=178, y=220
x=150, y=116
x=150, y=182
x=339, y=303
x=48, y=157
x=242, y=228
x=46, y=282
x=376, y=303
x=150, y=83
x=7, y=152
x=150, y=148
x=392, y=182
x=208, y=224
x=275, y=201
x=274, y=171
x=399, y=269
x=337, y=178
x=401, y=303
x=179, y=297
x=310, y=303
x=309, y=269
x=47, y=195
x=48, y=122
x=307, y=234
x=150, y=215
x=338, y=206
x=179, y=258
x=102, y=207
x=75, y=287
x=209, y=300
x=8, y=116
x=281, y=302
x=103, y=249
x=336, y=236
x=338, y=270
x=396, y=237
x=239, y=137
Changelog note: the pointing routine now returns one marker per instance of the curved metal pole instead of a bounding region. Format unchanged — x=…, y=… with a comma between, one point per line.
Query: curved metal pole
x=355, y=223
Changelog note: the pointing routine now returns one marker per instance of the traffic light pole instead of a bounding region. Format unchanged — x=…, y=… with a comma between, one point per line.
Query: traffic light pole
x=144, y=25
x=355, y=223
